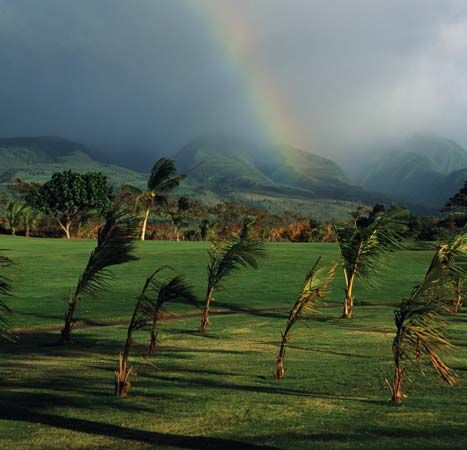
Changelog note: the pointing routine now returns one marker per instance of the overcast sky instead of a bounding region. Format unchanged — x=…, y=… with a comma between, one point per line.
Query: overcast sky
x=149, y=75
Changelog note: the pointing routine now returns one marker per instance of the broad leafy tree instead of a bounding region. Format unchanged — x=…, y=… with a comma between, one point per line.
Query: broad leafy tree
x=459, y=201
x=115, y=244
x=363, y=243
x=315, y=287
x=162, y=180
x=68, y=195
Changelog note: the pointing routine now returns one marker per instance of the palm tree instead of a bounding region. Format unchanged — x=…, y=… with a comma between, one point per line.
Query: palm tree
x=419, y=322
x=204, y=229
x=14, y=215
x=455, y=253
x=315, y=287
x=115, y=244
x=362, y=245
x=153, y=296
x=161, y=181
x=5, y=291
x=247, y=225
x=30, y=217
x=226, y=257
x=173, y=290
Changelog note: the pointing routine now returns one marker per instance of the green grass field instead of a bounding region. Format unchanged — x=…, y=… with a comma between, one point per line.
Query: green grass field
x=217, y=390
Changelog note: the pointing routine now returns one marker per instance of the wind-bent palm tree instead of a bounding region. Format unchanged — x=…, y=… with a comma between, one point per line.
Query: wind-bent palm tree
x=419, y=322
x=173, y=290
x=362, y=245
x=455, y=253
x=115, y=244
x=226, y=257
x=161, y=181
x=315, y=287
x=5, y=291
x=150, y=302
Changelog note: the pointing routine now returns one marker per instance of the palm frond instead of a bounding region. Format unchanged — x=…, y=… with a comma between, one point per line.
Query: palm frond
x=115, y=245
x=362, y=248
x=131, y=189
x=5, y=291
x=228, y=256
x=419, y=319
x=156, y=293
x=315, y=287
x=162, y=177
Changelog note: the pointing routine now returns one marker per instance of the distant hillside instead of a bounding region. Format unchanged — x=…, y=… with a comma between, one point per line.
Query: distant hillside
x=268, y=176
x=37, y=158
x=272, y=177
x=424, y=169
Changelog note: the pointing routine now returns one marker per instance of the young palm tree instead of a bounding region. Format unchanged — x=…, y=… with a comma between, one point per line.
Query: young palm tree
x=226, y=257
x=315, y=287
x=30, y=218
x=247, y=226
x=14, y=215
x=115, y=244
x=150, y=302
x=161, y=181
x=419, y=322
x=5, y=291
x=173, y=290
x=362, y=246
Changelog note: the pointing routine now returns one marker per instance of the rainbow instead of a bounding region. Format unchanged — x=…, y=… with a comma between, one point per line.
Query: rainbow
x=235, y=39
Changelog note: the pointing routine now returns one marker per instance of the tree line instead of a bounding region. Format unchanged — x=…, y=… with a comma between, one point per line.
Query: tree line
x=74, y=205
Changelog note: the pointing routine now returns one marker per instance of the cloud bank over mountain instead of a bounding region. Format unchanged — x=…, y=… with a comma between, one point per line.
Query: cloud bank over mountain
x=149, y=75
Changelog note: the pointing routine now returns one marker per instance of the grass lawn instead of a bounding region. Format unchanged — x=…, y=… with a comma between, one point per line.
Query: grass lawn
x=217, y=390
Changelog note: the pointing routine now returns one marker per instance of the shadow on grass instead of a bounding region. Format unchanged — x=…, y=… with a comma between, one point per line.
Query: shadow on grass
x=260, y=389
x=47, y=343
x=15, y=413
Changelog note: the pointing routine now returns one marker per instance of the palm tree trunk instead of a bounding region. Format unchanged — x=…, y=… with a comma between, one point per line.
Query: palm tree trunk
x=397, y=392
x=280, y=369
x=458, y=299
x=68, y=326
x=145, y=224
x=122, y=385
x=154, y=330
x=348, y=304
x=207, y=304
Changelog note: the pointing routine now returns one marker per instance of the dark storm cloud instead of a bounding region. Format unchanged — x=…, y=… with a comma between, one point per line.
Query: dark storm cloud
x=147, y=74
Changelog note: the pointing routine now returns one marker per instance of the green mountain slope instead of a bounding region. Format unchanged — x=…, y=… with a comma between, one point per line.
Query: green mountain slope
x=37, y=158
x=268, y=176
x=419, y=170
x=230, y=163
